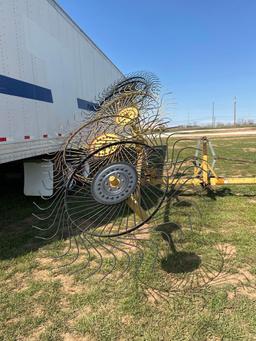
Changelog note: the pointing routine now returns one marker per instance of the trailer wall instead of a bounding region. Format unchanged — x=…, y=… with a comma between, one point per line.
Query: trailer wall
x=50, y=72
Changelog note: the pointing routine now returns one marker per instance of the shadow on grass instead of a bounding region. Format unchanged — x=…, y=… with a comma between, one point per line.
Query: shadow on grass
x=177, y=261
x=214, y=193
x=17, y=237
x=181, y=262
x=220, y=192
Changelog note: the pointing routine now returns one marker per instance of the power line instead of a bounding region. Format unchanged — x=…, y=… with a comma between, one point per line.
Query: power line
x=213, y=114
x=188, y=122
x=234, y=109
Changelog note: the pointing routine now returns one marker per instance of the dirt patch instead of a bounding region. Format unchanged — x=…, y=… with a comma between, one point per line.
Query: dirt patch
x=242, y=279
x=249, y=292
x=67, y=281
x=231, y=295
x=68, y=284
x=18, y=282
x=127, y=319
x=70, y=337
x=228, y=250
x=44, y=261
x=250, y=150
x=252, y=201
x=41, y=275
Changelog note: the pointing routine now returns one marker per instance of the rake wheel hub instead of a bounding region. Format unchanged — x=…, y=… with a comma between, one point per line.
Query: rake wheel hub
x=114, y=183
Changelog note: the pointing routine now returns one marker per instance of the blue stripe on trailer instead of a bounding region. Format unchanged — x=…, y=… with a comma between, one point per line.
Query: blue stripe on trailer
x=86, y=105
x=15, y=87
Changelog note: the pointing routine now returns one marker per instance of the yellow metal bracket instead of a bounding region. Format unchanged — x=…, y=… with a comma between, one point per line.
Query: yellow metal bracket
x=205, y=175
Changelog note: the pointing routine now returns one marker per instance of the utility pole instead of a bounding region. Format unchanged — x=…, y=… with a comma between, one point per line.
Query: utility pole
x=213, y=114
x=235, y=111
x=188, y=119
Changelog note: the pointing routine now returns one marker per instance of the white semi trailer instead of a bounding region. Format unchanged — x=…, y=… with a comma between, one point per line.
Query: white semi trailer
x=50, y=72
x=50, y=75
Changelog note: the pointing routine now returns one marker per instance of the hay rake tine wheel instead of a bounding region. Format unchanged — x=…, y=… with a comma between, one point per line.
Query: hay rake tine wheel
x=113, y=191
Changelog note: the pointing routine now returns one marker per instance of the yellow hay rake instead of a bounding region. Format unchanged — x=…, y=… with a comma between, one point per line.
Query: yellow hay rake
x=118, y=168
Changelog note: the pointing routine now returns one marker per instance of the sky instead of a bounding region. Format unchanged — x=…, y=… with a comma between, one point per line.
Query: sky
x=203, y=51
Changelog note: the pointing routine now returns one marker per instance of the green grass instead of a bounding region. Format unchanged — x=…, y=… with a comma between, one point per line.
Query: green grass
x=38, y=304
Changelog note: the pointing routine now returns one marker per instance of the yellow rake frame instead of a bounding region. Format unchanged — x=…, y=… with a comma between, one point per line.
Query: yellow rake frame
x=204, y=175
